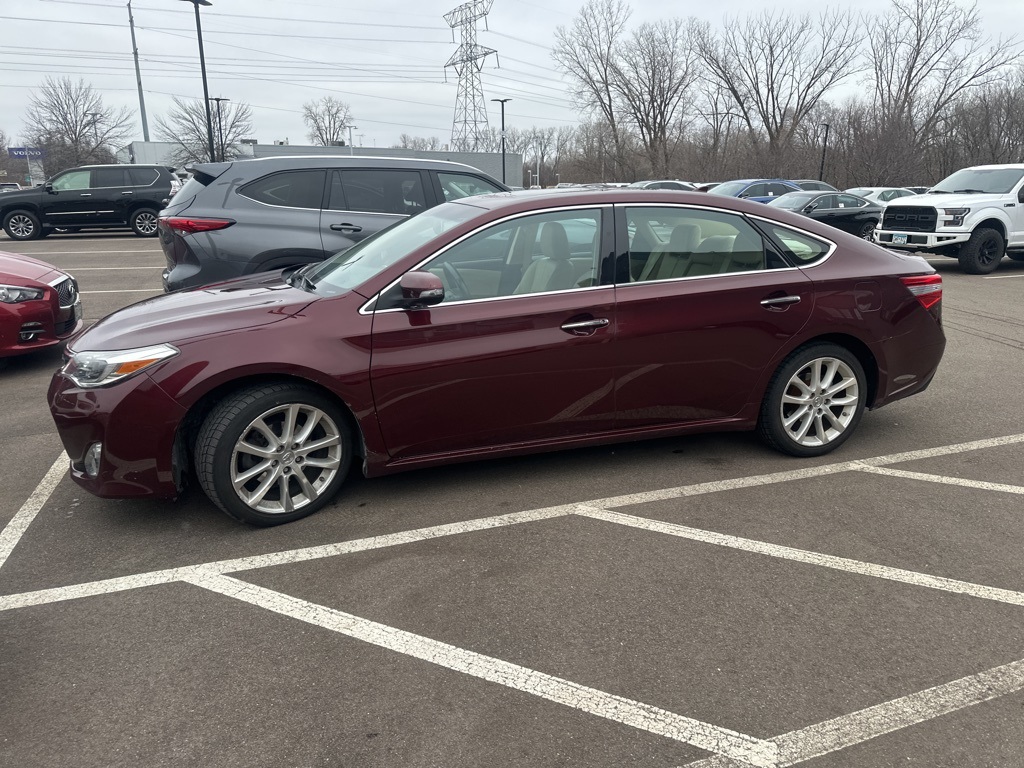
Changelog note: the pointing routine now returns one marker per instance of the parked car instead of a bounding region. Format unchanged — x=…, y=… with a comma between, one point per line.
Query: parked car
x=814, y=185
x=39, y=305
x=847, y=212
x=8, y=186
x=679, y=186
x=90, y=197
x=237, y=218
x=492, y=327
x=706, y=186
x=918, y=190
x=881, y=195
x=758, y=190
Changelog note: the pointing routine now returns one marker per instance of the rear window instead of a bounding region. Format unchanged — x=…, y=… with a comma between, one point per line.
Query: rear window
x=190, y=189
x=143, y=177
x=288, y=189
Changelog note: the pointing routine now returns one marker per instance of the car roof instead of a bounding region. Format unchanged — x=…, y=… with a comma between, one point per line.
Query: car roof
x=307, y=161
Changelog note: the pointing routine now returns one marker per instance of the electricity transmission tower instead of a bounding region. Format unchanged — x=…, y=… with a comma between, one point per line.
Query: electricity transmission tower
x=470, y=123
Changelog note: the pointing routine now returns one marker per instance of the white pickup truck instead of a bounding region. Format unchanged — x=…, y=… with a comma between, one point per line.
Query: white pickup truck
x=976, y=216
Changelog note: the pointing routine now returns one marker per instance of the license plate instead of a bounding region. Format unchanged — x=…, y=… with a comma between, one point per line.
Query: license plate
x=899, y=239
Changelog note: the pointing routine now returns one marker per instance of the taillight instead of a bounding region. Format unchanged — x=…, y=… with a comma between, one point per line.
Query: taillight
x=927, y=289
x=186, y=225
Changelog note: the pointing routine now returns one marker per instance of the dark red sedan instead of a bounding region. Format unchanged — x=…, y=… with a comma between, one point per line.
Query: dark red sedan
x=494, y=326
x=39, y=305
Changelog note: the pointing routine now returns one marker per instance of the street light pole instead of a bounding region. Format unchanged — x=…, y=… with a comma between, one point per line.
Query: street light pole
x=220, y=125
x=824, y=147
x=206, y=88
x=350, y=150
x=502, y=102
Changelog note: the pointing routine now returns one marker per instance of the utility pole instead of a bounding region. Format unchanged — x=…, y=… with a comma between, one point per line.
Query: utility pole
x=824, y=146
x=138, y=75
x=220, y=124
x=502, y=102
x=350, y=150
x=206, y=87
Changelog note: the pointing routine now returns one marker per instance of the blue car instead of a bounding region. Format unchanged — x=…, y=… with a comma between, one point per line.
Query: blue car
x=758, y=190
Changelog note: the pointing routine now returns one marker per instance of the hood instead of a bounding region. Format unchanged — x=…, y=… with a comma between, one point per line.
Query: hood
x=32, y=194
x=24, y=267
x=951, y=200
x=178, y=317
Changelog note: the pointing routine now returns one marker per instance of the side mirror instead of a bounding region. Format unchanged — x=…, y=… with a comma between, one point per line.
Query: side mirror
x=421, y=290
x=810, y=207
x=49, y=188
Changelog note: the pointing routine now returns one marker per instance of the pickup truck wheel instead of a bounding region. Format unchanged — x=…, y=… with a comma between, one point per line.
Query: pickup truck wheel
x=982, y=253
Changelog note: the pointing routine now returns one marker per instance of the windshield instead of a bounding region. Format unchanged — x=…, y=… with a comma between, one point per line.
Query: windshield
x=353, y=267
x=730, y=188
x=793, y=200
x=993, y=181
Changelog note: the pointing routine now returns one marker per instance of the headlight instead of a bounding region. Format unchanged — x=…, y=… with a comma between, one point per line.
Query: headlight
x=958, y=212
x=98, y=369
x=13, y=294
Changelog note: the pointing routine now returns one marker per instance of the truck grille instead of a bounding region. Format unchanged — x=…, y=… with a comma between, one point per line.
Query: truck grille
x=67, y=291
x=909, y=218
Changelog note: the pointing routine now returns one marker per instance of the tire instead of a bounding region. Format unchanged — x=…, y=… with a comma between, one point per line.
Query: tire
x=828, y=420
x=257, y=419
x=867, y=229
x=982, y=253
x=22, y=225
x=143, y=222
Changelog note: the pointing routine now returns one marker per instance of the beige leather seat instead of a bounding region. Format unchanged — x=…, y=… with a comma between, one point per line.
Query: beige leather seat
x=712, y=256
x=672, y=259
x=553, y=271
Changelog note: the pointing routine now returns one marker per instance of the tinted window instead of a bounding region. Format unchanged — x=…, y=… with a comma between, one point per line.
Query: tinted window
x=531, y=254
x=755, y=190
x=110, y=177
x=825, y=202
x=849, y=201
x=377, y=191
x=291, y=189
x=456, y=185
x=775, y=189
x=803, y=249
x=143, y=177
x=669, y=243
x=730, y=188
x=72, y=180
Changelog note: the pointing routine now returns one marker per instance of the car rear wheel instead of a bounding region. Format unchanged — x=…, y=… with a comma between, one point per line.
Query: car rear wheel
x=22, y=225
x=143, y=222
x=867, y=230
x=273, y=454
x=982, y=253
x=814, y=401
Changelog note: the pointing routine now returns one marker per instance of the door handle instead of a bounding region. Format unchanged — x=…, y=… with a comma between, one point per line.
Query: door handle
x=85, y=194
x=584, y=327
x=780, y=301
x=346, y=228
x=129, y=192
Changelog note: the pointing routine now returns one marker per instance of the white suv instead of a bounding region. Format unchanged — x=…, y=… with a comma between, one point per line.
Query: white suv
x=976, y=215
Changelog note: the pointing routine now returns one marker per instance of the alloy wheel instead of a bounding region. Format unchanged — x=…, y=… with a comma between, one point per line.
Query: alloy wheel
x=820, y=401
x=145, y=223
x=285, y=458
x=21, y=226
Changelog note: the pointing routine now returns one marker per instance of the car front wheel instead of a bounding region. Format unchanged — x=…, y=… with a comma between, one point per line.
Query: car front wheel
x=143, y=222
x=22, y=225
x=983, y=252
x=814, y=401
x=273, y=454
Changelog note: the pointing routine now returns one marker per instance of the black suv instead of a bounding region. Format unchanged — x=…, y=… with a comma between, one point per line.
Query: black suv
x=93, y=196
x=233, y=219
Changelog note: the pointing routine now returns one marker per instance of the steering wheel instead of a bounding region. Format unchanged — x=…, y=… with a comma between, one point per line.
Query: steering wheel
x=459, y=290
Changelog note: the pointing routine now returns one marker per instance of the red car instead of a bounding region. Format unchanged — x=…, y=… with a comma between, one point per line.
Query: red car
x=494, y=326
x=39, y=305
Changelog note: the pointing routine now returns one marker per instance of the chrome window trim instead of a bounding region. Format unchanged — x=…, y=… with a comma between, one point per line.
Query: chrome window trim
x=603, y=207
x=480, y=301
x=706, y=277
x=352, y=211
x=831, y=245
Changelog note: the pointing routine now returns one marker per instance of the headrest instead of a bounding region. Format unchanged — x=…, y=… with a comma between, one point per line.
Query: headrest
x=684, y=239
x=553, y=241
x=717, y=244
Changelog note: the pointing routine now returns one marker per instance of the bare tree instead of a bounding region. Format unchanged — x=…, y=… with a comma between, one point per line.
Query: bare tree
x=433, y=144
x=777, y=68
x=70, y=122
x=587, y=52
x=185, y=127
x=328, y=121
x=653, y=74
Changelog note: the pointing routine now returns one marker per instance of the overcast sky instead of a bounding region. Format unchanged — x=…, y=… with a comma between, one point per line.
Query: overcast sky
x=385, y=58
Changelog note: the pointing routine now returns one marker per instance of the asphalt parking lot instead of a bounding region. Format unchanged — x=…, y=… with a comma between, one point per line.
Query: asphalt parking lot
x=694, y=601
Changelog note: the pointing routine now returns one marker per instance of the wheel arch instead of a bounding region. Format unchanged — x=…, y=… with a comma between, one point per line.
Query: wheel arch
x=992, y=223
x=188, y=429
x=27, y=207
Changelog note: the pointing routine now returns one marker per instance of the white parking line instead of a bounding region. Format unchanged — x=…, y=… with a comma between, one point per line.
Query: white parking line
x=14, y=530
x=132, y=290
x=109, y=269
x=713, y=738
x=857, y=727
x=805, y=556
x=1001, y=277
x=962, y=482
x=97, y=252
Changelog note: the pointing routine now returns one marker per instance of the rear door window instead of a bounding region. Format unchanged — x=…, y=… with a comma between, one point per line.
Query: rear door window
x=377, y=191
x=110, y=177
x=775, y=189
x=458, y=185
x=288, y=189
x=756, y=190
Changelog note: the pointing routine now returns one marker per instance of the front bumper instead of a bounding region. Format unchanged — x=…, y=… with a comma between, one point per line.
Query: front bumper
x=137, y=423
x=42, y=322
x=928, y=241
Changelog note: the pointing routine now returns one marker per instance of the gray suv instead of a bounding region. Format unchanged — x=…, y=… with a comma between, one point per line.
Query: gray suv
x=233, y=219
